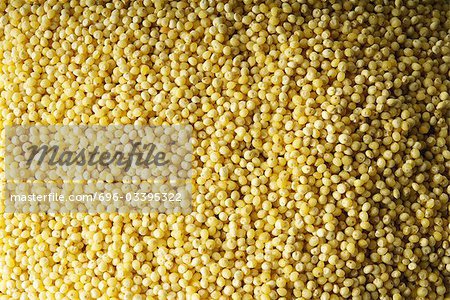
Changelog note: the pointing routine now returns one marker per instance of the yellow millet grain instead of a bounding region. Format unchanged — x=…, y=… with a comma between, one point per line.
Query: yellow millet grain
x=320, y=138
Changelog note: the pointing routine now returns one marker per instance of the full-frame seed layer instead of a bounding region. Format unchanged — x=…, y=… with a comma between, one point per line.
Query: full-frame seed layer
x=321, y=146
